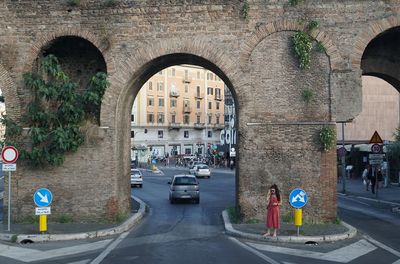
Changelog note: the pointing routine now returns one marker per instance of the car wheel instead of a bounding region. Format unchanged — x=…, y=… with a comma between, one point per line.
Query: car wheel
x=197, y=201
x=141, y=185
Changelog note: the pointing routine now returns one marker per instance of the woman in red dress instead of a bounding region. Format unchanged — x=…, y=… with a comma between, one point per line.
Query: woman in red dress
x=273, y=201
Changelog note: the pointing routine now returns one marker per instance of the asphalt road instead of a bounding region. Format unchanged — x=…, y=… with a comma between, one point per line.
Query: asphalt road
x=194, y=233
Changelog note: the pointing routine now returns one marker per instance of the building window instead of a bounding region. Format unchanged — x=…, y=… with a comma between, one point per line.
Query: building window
x=217, y=105
x=150, y=118
x=132, y=134
x=160, y=101
x=217, y=120
x=186, y=88
x=160, y=86
x=186, y=134
x=186, y=119
x=188, y=151
x=198, y=104
x=198, y=75
x=198, y=119
x=198, y=90
x=210, y=76
x=173, y=117
x=173, y=102
x=132, y=118
x=150, y=86
x=160, y=134
x=210, y=91
x=185, y=103
x=160, y=118
x=209, y=105
x=209, y=134
x=209, y=119
x=172, y=72
x=150, y=101
x=186, y=74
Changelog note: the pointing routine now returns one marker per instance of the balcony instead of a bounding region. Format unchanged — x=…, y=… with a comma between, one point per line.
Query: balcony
x=187, y=109
x=174, y=93
x=218, y=126
x=218, y=97
x=186, y=79
x=175, y=125
x=199, y=125
x=199, y=95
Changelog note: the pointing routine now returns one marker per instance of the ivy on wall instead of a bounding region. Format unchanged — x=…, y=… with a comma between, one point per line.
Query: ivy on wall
x=244, y=11
x=55, y=114
x=327, y=138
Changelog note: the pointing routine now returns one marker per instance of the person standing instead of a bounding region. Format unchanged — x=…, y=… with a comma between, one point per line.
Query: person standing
x=273, y=203
x=367, y=175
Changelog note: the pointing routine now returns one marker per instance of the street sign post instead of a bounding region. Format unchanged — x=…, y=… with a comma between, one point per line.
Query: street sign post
x=9, y=155
x=298, y=199
x=43, y=198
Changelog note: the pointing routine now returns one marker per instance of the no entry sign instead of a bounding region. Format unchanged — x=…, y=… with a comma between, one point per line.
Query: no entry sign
x=9, y=154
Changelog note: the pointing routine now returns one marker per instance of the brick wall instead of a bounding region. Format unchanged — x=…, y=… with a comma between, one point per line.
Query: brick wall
x=276, y=127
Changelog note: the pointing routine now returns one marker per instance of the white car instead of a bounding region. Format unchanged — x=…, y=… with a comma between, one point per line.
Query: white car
x=136, y=178
x=202, y=170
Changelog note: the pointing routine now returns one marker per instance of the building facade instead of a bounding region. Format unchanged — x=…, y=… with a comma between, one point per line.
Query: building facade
x=178, y=111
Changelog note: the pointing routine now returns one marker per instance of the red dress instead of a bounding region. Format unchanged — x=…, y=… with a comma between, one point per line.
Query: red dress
x=273, y=213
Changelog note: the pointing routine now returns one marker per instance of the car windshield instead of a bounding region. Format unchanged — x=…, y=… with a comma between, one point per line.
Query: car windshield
x=203, y=167
x=135, y=173
x=185, y=181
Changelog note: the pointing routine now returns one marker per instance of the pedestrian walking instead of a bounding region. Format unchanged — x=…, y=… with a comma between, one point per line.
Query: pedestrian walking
x=379, y=178
x=273, y=203
x=366, y=176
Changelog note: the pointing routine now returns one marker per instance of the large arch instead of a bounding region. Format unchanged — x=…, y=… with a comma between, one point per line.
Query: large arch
x=135, y=81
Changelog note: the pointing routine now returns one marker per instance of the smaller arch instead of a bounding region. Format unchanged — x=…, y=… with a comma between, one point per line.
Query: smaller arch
x=285, y=24
x=368, y=34
x=45, y=39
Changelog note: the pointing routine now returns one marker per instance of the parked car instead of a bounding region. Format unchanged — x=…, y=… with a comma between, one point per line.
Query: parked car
x=136, y=178
x=184, y=187
x=194, y=163
x=202, y=170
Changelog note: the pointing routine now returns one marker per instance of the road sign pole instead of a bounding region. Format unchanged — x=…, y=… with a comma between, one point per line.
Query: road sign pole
x=343, y=164
x=9, y=202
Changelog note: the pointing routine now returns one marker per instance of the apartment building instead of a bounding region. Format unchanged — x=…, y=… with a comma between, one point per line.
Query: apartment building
x=179, y=110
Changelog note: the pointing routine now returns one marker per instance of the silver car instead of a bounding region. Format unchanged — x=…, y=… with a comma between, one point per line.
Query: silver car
x=202, y=171
x=184, y=187
x=136, y=178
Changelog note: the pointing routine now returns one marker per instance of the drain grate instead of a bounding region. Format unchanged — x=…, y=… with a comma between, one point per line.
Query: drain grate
x=26, y=241
x=311, y=243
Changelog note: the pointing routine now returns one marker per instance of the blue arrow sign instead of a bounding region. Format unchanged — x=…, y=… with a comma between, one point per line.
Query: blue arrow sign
x=42, y=197
x=298, y=198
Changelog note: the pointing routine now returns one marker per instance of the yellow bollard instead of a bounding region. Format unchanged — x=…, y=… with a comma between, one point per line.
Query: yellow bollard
x=298, y=217
x=43, y=223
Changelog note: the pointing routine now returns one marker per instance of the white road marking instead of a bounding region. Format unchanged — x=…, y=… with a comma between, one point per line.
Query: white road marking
x=355, y=200
x=343, y=255
x=30, y=255
x=111, y=247
x=80, y=262
x=383, y=246
x=255, y=252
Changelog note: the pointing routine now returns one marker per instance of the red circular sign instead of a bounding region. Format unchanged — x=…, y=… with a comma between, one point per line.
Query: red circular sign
x=9, y=154
x=376, y=148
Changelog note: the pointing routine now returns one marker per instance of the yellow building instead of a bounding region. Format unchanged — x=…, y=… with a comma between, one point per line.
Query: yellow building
x=179, y=110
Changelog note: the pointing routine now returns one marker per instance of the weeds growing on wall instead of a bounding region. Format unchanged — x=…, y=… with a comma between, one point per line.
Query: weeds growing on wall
x=244, y=11
x=54, y=115
x=302, y=48
x=73, y=2
x=307, y=95
x=295, y=2
x=327, y=138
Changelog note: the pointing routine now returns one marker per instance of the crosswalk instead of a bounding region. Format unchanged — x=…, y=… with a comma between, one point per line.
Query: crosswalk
x=345, y=254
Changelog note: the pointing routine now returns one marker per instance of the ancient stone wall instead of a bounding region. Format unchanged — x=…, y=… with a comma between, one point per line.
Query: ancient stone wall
x=277, y=129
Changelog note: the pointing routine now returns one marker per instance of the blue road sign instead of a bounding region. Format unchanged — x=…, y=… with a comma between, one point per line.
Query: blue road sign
x=298, y=198
x=42, y=197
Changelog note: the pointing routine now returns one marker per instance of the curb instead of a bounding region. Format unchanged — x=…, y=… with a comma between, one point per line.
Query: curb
x=291, y=239
x=125, y=226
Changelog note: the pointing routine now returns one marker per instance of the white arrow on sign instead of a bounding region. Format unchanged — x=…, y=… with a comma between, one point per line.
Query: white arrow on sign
x=44, y=198
x=298, y=198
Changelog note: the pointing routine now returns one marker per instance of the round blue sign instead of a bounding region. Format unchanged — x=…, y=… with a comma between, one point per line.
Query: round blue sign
x=298, y=198
x=42, y=197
